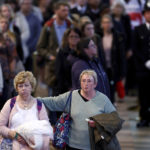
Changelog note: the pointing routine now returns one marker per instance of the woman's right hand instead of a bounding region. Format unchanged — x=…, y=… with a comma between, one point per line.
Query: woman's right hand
x=11, y=134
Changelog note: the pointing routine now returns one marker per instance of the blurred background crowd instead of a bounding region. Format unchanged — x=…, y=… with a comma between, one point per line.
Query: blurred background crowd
x=43, y=36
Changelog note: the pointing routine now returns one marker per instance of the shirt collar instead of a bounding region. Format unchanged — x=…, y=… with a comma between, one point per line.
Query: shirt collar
x=81, y=9
x=148, y=25
x=58, y=26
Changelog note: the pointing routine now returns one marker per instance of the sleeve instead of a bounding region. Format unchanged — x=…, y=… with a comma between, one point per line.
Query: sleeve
x=121, y=57
x=56, y=103
x=36, y=34
x=60, y=65
x=4, y=119
x=128, y=32
x=108, y=108
x=43, y=42
x=138, y=40
x=21, y=23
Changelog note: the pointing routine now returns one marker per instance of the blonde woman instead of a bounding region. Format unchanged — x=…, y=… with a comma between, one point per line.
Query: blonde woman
x=86, y=102
x=22, y=110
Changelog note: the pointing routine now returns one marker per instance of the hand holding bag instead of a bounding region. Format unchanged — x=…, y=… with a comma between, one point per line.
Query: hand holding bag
x=61, y=129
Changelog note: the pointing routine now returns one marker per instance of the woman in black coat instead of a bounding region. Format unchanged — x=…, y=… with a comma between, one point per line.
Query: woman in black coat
x=87, y=54
x=113, y=46
x=88, y=31
x=66, y=56
x=119, y=15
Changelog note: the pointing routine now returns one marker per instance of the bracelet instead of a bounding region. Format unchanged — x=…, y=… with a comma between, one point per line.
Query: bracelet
x=16, y=136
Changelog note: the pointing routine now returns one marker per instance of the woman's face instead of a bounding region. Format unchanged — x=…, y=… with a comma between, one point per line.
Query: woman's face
x=89, y=30
x=91, y=51
x=147, y=16
x=6, y=12
x=106, y=24
x=24, y=89
x=87, y=83
x=118, y=10
x=45, y=2
x=73, y=39
x=3, y=25
x=26, y=6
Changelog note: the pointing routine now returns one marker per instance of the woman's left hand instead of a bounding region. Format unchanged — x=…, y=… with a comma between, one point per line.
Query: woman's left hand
x=21, y=140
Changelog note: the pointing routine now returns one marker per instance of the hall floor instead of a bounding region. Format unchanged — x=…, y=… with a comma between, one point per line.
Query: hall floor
x=130, y=137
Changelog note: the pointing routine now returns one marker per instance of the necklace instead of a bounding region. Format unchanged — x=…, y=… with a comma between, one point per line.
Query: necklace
x=26, y=104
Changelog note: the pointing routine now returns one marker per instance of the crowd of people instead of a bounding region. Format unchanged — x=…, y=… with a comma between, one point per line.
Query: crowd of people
x=110, y=37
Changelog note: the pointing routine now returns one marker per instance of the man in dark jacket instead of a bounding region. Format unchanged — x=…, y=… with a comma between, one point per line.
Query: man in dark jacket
x=50, y=40
x=142, y=60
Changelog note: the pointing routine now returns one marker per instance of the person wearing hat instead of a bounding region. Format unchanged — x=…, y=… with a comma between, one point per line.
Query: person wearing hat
x=141, y=51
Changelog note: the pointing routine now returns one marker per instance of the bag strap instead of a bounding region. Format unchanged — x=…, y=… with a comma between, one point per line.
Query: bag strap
x=39, y=105
x=12, y=102
x=68, y=101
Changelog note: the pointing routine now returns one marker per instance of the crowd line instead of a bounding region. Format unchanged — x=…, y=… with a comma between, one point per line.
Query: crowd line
x=64, y=38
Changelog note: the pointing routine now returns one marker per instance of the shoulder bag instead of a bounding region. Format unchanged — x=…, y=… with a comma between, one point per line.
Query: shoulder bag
x=61, y=129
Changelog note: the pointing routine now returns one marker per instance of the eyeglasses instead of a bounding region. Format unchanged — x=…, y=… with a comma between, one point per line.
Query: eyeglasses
x=74, y=37
x=90, y=28
x=106, y=22
x=92, y=46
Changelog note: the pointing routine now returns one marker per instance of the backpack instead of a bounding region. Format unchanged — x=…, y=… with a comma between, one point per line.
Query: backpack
x=13, y=101
x=6, y=143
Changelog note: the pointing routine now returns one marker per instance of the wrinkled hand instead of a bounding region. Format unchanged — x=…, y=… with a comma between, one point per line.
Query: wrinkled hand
x=129, y=54
x=147, y=64
x=92, y=123
x=51, y=57
x=11, y=134
x=21, y=140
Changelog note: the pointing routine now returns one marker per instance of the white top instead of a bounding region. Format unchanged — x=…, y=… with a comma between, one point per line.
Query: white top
x=24, y=115
x=107, y=45
x=148, y=25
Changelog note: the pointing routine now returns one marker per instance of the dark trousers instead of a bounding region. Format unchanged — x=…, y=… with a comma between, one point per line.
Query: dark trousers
x=144, y=97
x=130, y=76
x=112, y=85
x=29, y=63
x=7, y=93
